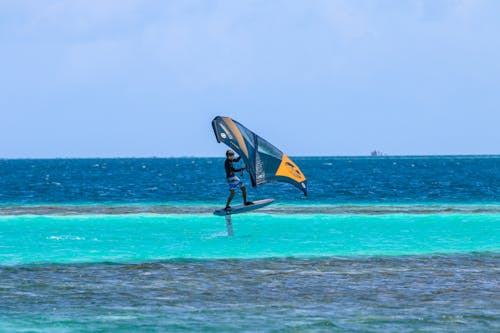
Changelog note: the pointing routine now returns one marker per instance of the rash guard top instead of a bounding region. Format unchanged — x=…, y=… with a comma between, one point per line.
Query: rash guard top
x=230, y=170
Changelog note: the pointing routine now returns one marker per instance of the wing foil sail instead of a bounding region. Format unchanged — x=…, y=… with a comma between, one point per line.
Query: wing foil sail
x=265, y=163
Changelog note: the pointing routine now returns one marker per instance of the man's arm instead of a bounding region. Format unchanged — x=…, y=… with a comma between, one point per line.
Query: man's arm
x=240, y=169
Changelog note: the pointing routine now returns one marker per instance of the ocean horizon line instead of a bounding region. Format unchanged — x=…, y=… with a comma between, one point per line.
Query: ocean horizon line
x=495, y=155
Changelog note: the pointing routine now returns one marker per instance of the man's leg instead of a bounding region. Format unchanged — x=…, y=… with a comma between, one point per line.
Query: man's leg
x=230, y=198
x=244, y=192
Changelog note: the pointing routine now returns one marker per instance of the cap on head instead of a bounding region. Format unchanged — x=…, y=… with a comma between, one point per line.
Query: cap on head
x=229, y=152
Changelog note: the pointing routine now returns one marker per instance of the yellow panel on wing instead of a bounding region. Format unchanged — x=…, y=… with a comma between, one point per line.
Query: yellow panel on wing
x=289, y=169
x=237, y=134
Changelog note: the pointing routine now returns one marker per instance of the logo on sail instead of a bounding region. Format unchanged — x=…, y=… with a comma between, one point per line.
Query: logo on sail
x=289, y=169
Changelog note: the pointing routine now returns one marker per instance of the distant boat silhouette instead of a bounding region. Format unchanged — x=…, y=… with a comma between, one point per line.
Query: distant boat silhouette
x=376, y=153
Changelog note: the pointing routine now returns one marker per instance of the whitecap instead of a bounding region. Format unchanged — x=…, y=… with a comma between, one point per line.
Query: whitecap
x=65, y=238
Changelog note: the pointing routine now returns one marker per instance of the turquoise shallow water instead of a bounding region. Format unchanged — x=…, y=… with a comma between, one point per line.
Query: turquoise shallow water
x=149, y=237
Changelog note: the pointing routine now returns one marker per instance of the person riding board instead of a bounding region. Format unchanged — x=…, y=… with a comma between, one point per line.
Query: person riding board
x=233, y=181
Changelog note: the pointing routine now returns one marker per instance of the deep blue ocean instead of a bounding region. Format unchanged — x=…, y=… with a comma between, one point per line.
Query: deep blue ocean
x=332, y=180
x=381, y=244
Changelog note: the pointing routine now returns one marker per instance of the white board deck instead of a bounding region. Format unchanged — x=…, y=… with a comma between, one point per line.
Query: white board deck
x=243, y=209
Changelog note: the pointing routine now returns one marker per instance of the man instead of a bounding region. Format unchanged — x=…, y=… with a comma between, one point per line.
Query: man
x=233, y=180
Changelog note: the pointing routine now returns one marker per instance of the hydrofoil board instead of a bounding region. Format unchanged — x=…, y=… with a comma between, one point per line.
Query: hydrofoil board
x=243, y=209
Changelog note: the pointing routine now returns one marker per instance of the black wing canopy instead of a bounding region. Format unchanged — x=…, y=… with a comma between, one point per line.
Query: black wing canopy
x=265, y=162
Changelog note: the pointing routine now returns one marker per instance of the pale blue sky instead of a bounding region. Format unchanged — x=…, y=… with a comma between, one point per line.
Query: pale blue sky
x=97, y=78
